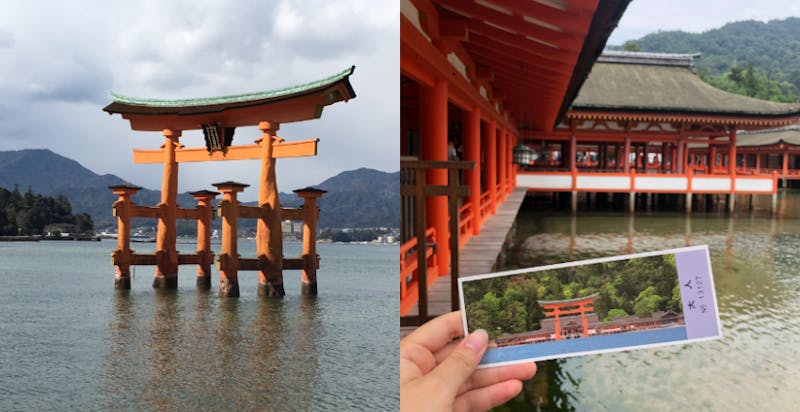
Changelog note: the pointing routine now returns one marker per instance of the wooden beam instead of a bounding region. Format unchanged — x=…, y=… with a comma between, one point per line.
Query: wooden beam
x=291, y=213
x=301, y=148
x=567, y=41
x=453, y=29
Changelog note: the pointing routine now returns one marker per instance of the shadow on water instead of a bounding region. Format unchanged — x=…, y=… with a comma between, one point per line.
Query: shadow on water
x=754, y=259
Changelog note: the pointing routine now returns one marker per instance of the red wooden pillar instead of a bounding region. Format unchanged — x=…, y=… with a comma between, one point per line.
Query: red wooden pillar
x=785, y=163
x=309, y=256
x=674, y=158
x=758, y=163
x=512, y=166
x=491, y=166
x=122, y=258
x=732, y=153
x=433, y=146
x=501, y=162
x=557, y=323
x=204, y=253
x=712, y=157
x=584, y=321
x=472, y=152
x=269, y=236
x=626, y=155
x=573, y=148
x=228, y=260
x=166, y=276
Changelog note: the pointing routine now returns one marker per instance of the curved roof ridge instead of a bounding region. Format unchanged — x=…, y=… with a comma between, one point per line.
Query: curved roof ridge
x=791, y=127
x=235, y=98
x=671, y=89
x=651, y=58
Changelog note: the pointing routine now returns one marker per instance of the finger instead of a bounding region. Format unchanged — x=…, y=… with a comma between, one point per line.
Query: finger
x=490, y=376
x=415, y=361
x=487, y=397
x=454, y=370
x=436, y=333
x=444, y=352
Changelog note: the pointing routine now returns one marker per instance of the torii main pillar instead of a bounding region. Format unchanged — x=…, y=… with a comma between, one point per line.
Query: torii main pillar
x=269, y=236
x=166, y=276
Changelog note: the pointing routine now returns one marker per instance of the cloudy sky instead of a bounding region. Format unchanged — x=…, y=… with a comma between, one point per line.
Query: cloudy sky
x=647, y=16
x=59, y=61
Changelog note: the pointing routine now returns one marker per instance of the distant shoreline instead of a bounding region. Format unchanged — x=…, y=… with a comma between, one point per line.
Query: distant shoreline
x=57, y=238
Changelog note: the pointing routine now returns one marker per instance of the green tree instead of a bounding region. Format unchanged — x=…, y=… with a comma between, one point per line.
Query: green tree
x=615, y=314
x=647, y=302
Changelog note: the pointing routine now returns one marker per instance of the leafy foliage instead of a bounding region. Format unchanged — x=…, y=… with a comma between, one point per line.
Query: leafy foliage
x=31, y=214
x=637, y=286
x=749, y=57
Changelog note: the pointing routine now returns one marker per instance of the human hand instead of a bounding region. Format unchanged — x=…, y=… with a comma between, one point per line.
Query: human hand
x=437, y=374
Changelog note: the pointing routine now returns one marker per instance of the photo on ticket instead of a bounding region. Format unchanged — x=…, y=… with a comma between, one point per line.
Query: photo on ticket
x=593, y=306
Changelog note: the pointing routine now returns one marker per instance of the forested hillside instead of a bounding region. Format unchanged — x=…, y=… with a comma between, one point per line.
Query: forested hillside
x=749, y=57
x=30, y=214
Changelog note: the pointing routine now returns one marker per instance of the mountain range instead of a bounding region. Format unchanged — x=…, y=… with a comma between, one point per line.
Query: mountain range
x=772, y=48
x=356, y=198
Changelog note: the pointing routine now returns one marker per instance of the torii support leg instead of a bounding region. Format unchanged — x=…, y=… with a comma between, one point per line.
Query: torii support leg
x=228, y=260
x=166, y=276
x=269, y=239
x=310, y=217
x=206, y=256
x=123, y=256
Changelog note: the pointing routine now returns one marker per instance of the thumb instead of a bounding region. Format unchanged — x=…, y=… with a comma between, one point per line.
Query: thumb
x=462, y=361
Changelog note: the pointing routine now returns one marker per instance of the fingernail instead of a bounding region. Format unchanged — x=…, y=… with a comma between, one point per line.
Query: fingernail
x=477, y=340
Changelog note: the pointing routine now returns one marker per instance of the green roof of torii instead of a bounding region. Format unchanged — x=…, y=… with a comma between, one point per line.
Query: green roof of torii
x=664, y=83
x=124, y=104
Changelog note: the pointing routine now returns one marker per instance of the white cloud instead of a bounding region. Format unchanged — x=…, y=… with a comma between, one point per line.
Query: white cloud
x=59, y=61
x=648, y=16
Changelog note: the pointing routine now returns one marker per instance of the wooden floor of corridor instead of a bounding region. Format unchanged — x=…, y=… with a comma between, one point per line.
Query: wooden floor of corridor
x=478, y=256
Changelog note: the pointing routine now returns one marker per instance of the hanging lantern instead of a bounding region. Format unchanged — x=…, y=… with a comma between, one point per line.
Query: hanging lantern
x=522, y=155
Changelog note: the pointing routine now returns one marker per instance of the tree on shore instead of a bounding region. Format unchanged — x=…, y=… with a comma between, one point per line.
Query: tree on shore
x=29, y=214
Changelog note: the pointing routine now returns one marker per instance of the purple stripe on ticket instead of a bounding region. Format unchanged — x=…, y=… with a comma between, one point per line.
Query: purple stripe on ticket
x=697, y=293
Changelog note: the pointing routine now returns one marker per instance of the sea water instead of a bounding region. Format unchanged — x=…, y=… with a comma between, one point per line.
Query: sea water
x=756, y=263
x=70, y=341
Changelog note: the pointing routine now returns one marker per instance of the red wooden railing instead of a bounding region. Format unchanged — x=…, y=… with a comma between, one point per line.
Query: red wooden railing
x=409, y=283
x=465, y=224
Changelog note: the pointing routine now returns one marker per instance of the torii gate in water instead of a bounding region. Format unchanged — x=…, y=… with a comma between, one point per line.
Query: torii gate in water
x=218, y=117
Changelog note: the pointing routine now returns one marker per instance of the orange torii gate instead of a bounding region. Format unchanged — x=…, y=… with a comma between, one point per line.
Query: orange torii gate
x=580, y=306
x=218, y=117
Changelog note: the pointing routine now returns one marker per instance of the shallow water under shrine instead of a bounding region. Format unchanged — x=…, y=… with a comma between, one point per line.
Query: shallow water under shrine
x=754, y=258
